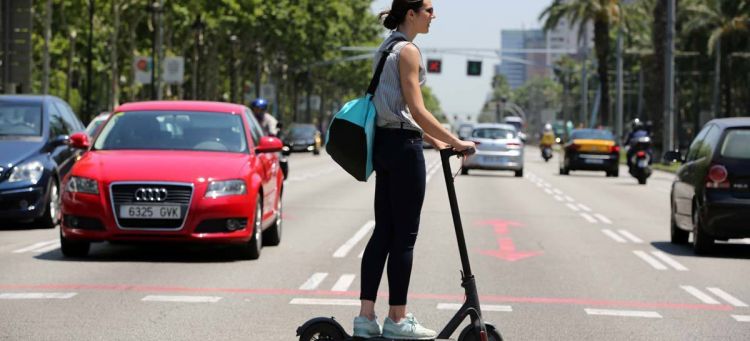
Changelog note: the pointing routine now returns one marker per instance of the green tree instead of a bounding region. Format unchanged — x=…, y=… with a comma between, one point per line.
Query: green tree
x=433, y=104
x=604, y=14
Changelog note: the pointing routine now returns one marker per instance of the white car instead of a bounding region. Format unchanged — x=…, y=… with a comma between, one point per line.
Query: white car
x=498, y=148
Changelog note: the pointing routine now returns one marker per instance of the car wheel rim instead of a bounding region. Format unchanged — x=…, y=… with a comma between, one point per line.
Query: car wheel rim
x=54, y=204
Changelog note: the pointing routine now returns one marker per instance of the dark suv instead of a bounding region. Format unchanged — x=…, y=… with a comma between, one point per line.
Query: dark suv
x=711, y=192
x=34, y=156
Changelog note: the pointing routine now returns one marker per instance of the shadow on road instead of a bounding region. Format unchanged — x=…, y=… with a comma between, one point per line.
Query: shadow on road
x=153, y=253
x=732, y=250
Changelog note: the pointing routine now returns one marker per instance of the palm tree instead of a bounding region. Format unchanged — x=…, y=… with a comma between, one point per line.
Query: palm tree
x=721, y=20
x=603, y=14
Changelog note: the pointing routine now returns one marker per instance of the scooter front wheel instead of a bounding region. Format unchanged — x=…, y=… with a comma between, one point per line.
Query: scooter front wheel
x=471, y=334
x=322, y=331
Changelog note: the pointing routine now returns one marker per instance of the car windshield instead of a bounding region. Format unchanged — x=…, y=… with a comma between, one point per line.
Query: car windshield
x=173, y=130
x=736, y=144
x=493, y=133
x=93, y=126
x=20, y=119
x=591, y=134
x=301, y=131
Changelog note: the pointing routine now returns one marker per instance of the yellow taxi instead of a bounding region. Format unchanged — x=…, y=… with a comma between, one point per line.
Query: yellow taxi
x=592, y=150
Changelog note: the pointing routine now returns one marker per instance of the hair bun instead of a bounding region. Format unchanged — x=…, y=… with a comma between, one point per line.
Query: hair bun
x=390, y=22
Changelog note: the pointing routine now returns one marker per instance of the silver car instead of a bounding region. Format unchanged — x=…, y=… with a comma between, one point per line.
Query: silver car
x=498, y=148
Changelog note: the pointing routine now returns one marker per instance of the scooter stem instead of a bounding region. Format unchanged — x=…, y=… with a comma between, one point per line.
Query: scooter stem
x=445, y=155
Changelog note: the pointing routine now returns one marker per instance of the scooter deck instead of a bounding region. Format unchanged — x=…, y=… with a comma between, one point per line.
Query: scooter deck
x=384, y=339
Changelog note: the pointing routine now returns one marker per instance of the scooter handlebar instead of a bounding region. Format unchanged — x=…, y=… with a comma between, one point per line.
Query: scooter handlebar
x=448, y=152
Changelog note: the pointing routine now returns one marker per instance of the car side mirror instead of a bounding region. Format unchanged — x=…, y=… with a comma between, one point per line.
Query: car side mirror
x=59, y=141
x=269, y=144
x=80, y=141
x=672, y=157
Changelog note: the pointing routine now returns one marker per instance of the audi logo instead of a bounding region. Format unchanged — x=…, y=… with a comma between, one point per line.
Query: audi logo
x=151, y=194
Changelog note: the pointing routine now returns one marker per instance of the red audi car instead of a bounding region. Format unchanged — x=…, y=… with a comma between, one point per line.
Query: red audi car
x=175, y=171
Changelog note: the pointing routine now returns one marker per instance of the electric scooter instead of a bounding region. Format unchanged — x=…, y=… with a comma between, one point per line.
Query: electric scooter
x=325, y=328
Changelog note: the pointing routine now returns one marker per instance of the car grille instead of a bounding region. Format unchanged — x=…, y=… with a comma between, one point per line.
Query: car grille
x=177, y=194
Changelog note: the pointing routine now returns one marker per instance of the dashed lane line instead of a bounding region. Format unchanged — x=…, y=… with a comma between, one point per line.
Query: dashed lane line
x=650, y=260
x=573, y=207
x=181, y=299
x=741, y=318
x=614, y=236
x=700, y=295
x=343, y=250
x=727, y=297
x=588, y=217
x=623, y=313
x=344, y=282
x=314, y=281
x=671, y=262
x=37, y=295
x=38, y=247
x=631, y=236
x=584, y=207
x=603, y=219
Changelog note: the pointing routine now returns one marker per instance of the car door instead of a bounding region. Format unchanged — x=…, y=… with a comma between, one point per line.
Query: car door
x=72, y=125
x=267, y=167
x=62, y=154
x=687, y=176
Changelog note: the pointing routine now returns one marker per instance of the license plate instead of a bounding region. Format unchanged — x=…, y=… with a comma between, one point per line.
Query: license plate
x=149, y=212
x=495, y=159
x=642, y=163
x=594, y=161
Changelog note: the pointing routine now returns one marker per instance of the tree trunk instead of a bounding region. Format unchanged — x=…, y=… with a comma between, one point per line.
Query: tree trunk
x=601, y=38
x=655, y=76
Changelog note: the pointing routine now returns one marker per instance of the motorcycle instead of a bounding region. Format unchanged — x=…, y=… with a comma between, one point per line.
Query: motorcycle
x=546, y=153
x=640, y=159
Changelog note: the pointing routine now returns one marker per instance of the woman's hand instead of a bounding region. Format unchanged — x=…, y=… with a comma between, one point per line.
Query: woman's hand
x=465, y=147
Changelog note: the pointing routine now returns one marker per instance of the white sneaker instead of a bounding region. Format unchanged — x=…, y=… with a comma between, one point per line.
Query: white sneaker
x=406, y=329
x=366, y=328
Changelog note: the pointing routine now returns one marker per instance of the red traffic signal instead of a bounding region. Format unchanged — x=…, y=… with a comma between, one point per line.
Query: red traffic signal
x=434, y=65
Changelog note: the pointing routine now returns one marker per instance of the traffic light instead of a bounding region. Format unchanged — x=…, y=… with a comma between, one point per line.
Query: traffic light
x=474, y=68
x=434, y=65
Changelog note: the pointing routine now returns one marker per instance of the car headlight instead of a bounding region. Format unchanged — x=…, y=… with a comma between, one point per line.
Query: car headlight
x=30, y=171
x=82, y=185
x=223, y=188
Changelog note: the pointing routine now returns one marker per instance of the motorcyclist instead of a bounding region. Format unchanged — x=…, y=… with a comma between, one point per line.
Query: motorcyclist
x=268, y=123
x=548, y=136
x=638, y=129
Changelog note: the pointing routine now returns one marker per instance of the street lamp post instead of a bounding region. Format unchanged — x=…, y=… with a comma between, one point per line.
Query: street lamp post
x=156, y=10
x=71, y=55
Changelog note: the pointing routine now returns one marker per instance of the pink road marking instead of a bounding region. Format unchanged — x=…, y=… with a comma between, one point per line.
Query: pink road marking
x=328, y=293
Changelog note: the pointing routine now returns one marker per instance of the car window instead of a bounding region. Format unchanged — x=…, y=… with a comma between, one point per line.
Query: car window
x=173, y=130
x=697, y=144
x=255, y=129
x=493, y=133
x=20, y=119
x=736, y=144
x=57, y=125
x=69, y=120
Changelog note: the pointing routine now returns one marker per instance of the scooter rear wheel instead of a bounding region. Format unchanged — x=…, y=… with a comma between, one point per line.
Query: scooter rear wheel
x=470, y=334
x=322, y=331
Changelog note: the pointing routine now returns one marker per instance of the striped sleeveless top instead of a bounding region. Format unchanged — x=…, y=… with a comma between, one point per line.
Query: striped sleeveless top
x=389, y=100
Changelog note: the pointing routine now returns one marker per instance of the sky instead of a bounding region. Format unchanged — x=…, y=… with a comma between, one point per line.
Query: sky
x=469, y=24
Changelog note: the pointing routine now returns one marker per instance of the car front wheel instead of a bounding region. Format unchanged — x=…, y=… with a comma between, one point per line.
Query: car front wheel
x=254, y=246
x=52, y=212
x=71, y=248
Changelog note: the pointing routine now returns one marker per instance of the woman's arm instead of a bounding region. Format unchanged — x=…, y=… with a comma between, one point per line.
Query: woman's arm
x=409, y=73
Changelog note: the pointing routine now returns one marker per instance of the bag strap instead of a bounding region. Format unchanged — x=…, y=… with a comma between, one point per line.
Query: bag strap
x=376, y=77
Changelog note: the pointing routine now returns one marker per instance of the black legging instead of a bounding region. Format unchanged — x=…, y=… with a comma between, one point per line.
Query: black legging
x=399, y=192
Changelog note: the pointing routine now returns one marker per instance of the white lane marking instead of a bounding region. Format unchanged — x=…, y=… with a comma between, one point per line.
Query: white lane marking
x=49, y=248
x=548, y=191
x=363, y=231
x=671, y=262
x=650, y=260
x=613, y=235
x=181, y=299
x=37, y=295
x=630, y=236
x=538, y=184
x=344, y=282
x=625, y=313
x=547, y=185
x=741, y=318
x=588, y=217
x=699, y=294
x=584, y=207
x=727, y=297
x=324, y=301
x=568, y=198
x=314, y=281
x=573, y=207
x=603, y=218
x=432, y=169
x=558, y=198
x=484, y=307
x=37, y=245
x=557, y=191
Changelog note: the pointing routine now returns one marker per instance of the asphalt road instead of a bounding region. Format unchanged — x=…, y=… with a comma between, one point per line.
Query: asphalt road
x=579, y=257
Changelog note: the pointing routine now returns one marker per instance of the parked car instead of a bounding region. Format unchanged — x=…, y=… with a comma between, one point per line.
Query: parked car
x=591, y=149
x=498, y=148
x=34, y=157
x=175, y=171
x=301, y=137
x=93, y=127
x=711, y=192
